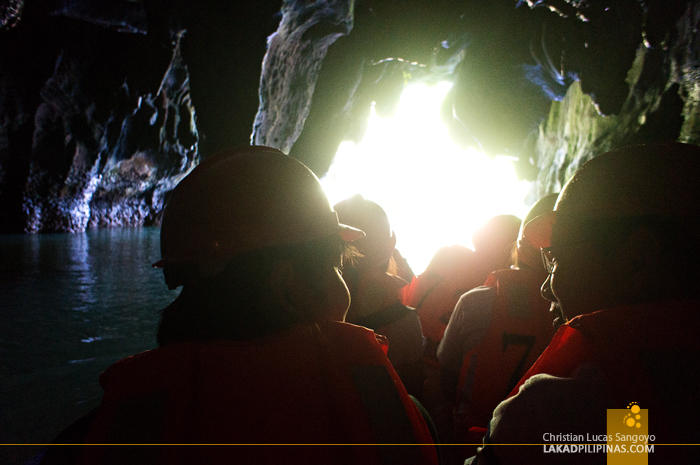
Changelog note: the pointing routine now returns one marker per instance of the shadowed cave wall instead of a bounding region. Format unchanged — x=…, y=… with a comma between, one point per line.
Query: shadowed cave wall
x=105, y=106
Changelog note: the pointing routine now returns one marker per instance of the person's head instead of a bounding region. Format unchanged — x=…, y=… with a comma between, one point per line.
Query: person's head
x=449, y=260
x=253, y=240
x=494, y=240
x=624, y=230
x=377, y=246
x=528, y=256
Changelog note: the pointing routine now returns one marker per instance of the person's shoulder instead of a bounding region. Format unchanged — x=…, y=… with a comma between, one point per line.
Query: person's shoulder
x=477, y=295
x=341, y=334
x=547, y=403
x=586, y=381
x=134, y=364
x=547, y=409
x=346, y=329
x=474, y=302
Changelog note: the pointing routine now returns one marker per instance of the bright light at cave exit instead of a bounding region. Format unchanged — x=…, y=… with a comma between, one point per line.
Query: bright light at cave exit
x=434, y=192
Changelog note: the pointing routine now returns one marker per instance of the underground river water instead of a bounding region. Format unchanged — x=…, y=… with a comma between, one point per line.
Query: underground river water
x=70, y=306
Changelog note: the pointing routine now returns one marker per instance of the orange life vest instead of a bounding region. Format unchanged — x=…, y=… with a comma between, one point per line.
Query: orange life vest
x=649, y=354
x=520, y=329
x=434, y=294
x=329, y=383
x=375, y=305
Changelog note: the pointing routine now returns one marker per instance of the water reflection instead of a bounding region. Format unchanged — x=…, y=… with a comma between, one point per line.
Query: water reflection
x=70, y=306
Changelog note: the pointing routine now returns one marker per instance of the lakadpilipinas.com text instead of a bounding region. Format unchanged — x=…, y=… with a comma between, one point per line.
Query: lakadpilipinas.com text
x=598, y=443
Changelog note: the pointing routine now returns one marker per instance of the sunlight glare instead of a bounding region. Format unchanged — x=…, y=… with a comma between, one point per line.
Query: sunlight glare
x=434, y=192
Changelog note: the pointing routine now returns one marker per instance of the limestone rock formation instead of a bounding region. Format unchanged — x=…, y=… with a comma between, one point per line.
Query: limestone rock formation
x=661, y=103
x=624, y=70
x=97, y=121
x=104, y=106
x=330, y=60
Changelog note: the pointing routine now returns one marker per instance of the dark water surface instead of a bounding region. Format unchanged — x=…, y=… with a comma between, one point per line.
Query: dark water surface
x=70, y=306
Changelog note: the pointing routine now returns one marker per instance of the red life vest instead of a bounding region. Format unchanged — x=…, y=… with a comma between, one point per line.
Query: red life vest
x=520, y=329
x=375, y=305
x=434, y=294
x=649, y=354
x=568, y=350
x=325, y=384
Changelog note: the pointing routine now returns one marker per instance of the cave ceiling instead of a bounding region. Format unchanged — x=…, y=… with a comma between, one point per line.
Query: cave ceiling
x=105, y=106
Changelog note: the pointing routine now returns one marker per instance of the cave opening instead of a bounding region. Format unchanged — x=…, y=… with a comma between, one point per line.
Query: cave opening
x=435, y=192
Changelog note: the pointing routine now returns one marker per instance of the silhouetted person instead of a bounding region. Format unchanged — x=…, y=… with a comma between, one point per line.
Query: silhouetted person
x=496, y=333
x=248, y=354
x=622, y=247
x=434, y=293
x=453, y=271
x=493, y=242
x=374, y=287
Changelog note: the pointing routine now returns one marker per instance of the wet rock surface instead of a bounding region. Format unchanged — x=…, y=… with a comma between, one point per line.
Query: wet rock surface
x=104, y=107
x=661, y=104
x=98, y=123
x=550, y=82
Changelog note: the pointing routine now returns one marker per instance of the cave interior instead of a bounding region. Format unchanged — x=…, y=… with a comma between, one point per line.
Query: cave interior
x=106, y=106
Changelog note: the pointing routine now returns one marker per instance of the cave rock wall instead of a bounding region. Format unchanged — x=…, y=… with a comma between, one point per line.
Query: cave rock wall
x=550, y=82
x=104, y=107
x=661, y=104
x=97, y=121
